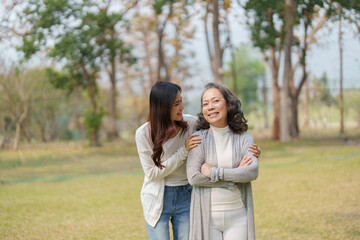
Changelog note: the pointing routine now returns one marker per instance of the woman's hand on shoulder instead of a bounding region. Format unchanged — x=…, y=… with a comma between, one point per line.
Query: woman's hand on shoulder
x=192, y=141
x=255, y=149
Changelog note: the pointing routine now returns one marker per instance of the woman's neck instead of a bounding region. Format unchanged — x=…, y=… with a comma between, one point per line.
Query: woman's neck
x=220, y=129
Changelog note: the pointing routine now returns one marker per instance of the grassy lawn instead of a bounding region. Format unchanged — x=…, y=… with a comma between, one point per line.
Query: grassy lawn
x=307, y=189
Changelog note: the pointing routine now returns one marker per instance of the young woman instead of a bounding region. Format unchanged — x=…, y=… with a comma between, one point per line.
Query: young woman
x=221, y=169
x=163, y=144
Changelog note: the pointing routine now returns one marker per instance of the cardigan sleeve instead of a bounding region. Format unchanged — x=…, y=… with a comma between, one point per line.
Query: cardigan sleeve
x=193, y=169
x=241, y=174
x=152, y=172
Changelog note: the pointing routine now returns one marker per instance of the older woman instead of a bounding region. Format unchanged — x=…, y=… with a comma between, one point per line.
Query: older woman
x=220, y=170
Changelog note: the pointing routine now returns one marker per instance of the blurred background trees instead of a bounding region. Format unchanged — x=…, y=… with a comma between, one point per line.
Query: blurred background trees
x=84, y=68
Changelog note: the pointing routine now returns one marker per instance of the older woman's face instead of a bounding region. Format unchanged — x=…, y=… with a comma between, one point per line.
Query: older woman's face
x=214, y=108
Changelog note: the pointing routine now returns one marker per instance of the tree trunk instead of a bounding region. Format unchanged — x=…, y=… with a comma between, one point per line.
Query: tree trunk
x=17, y=136
x=162, y=66
x=274, y=63
x=25, y=131
x=341, y=98
x=94, y=132
x=233, y=63
x=78, y=113
x=306, y=105
x=216, y=39
x=295, y=91
x=2, y=141
x=161, y=59
x=210, y=51
x=91, y=87
x=289, y=23
x=233, y=73
x=42, y=128
x=19, y=121
x=148, y=56
x=276, y=106
x=112, y=132
x=265, y=103
x=294, y=96
x=215, y=50
x=274, y=67
x=359, y=117
x=294, y=124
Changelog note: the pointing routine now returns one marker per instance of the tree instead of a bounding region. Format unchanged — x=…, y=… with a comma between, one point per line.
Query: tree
x=142, y=31
x=341, y=97
x=350, y=11
x=306, y=105
x=180, y=62
x=170, y=13
x=50, y=116
x=16, y=90
x=268, y=34
x=312, y=17
x=158, y=7
x=216, y=12
x=322, y=94
x=289, y=24
x=321, y=97
x=265, y=20
x=248, y=70
x=85, y=45
x=113, y=52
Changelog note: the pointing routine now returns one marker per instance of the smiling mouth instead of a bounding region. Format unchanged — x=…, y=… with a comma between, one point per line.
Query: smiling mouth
x=213, y=115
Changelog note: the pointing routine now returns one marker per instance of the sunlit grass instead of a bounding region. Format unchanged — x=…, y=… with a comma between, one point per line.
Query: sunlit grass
x=87, y=208
x=309, y=200
x=70, y=191
x=64, y=159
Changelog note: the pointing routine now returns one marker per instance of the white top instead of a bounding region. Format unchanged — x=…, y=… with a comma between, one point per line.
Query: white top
x=175, y=153
x=178, y=176
x=223, y=199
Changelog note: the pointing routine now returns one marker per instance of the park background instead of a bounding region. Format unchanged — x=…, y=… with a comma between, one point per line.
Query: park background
x=74, y=85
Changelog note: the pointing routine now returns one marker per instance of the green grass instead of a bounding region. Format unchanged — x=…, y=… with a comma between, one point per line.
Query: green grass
x=69, y=191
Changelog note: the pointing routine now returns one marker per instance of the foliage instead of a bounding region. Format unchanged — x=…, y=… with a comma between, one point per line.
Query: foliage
x=29, y=90
x=85, y=38
x=265, y=19
x=62, y=80
x=322, y=93
x=92, y=40
x=93, y=121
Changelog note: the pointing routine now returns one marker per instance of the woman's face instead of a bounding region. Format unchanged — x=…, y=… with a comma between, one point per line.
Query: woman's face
x=177, y=108
x=214, y=108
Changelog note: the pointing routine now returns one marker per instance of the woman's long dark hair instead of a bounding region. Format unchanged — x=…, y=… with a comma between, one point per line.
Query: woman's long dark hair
x=162, y=97
x=235, y=117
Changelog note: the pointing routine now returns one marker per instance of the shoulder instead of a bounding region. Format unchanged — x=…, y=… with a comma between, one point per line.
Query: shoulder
x=245, y=137
x=142, y=132
x=190, y=119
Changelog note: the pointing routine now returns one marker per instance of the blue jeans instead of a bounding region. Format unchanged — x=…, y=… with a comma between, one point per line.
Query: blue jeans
x=176, y=208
